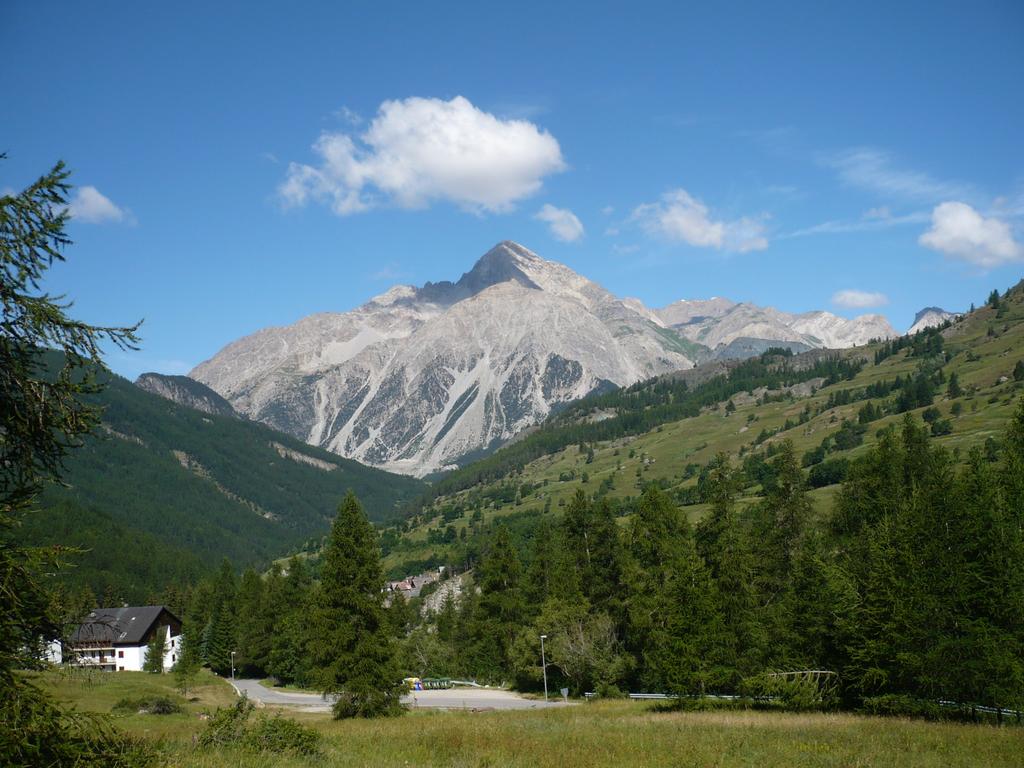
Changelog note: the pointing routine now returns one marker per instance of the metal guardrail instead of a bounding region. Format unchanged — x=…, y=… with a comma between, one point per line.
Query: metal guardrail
x=999, y=712
x=665, y=696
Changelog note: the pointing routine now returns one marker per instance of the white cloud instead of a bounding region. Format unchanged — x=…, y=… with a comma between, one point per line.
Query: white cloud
x=873, y=170
x=391, y=271
x=872, y=220
x=346, y=115
x=961, y=232
x=854, y=299
x=420, y=150
x=562, y=222
x=608, y=210
x=91, y=205
x=680, y=216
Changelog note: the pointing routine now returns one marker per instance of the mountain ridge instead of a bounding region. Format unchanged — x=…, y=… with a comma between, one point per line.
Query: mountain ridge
x=416, y=378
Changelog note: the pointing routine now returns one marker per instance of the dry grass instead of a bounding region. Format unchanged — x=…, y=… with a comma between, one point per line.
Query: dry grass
x=618, y=733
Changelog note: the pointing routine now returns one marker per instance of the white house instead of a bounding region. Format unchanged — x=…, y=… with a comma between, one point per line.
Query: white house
x=116, y=638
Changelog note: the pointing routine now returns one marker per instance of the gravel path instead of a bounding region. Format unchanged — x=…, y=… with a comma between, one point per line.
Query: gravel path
x=478, y=699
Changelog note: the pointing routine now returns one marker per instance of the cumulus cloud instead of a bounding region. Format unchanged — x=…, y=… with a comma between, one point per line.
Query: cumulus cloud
x=562, y=222
x=961, y=232
x=420, y=150
x=854, y=299
x=680, y=216
x=874, y=170
x=91, y=205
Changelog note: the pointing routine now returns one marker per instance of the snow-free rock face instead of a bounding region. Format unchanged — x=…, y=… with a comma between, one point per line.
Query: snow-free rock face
x=930, y=317
x=418, y=377
x=717, y=323
x=187, y=392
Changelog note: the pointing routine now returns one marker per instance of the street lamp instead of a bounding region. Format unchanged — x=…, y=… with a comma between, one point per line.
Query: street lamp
x=232, y=665
x=544, y=667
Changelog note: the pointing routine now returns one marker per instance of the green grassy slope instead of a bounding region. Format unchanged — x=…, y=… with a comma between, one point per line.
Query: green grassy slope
x=982, y=349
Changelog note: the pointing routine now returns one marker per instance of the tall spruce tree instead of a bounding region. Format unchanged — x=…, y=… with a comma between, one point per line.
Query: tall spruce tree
x=675, y=627
x=252, y=627
x=499, y=610
x=155, y=651
x=220, y=635
x=288, y=605
x=351, y=642
x=186, y=668
x=43, y=416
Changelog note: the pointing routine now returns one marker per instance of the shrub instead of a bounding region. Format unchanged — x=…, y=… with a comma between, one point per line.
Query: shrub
x=828, y=473
x=903, y=706
x=609, y=691
x=230, y=726
x=227, y=725
x=281, y=735
x=794, y=690
x=148, y=705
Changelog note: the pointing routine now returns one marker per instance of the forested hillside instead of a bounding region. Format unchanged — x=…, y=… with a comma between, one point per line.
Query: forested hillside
x=961, y=380
x=163, y=491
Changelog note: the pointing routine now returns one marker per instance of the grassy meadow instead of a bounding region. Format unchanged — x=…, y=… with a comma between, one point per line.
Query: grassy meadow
x=611, y=733
x=983, y=362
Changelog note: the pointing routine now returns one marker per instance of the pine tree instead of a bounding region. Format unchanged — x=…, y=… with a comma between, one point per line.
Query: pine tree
x=499, y=610
x=155, y=650
x=253, y=628
x=548, y=573
x=719, y=489
x=675, y=627
x=591, y=537
x=43, y=416
x=351, y=643
x=219, y=638
x=287, y=606
x=186, y=668
x=953, y=389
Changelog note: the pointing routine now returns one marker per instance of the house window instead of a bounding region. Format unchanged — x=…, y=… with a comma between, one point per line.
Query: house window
x=121, y=669
x=173, y=658
x=120, y=654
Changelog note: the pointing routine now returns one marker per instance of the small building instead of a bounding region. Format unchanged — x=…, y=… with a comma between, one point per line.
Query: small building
x=116, y=639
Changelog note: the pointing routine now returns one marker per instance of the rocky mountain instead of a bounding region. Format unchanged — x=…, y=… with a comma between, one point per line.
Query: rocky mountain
x=717, y=323
x=187, y=392
x=929, y=317
x=417, y=379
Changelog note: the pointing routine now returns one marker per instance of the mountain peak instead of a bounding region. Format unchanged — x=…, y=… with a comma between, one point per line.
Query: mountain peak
x=929, y=310
x=499, y=265
x=930, y=317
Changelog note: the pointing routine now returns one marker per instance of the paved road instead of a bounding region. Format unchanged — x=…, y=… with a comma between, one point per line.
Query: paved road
x=455, y=698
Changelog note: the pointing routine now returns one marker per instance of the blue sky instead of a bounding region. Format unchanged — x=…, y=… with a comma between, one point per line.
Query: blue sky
x=246, y=166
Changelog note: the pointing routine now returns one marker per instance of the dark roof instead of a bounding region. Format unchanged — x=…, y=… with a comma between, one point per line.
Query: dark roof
x=127, y=625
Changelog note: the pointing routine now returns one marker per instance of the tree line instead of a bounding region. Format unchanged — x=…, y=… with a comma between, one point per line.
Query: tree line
x=911, y=589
